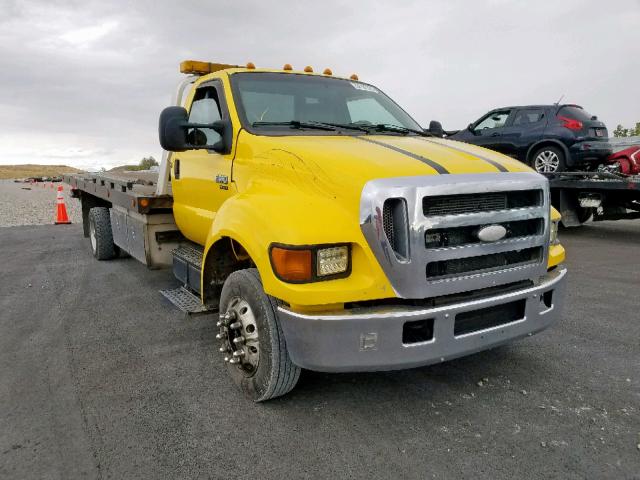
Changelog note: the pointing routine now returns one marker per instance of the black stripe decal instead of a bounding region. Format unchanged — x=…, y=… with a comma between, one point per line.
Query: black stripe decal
x=436, y=166
x=500, y=167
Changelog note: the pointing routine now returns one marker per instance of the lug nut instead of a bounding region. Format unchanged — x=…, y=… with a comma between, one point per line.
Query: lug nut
x=220, y=336
x=227, y=359
x=219, y=324
x=234, y=361
x=239, y=339
x=238, y=353
x=227, y=316
x=222, y=349
x=235, y=325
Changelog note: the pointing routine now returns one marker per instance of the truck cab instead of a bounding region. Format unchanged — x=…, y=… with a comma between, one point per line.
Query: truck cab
x=330, y=232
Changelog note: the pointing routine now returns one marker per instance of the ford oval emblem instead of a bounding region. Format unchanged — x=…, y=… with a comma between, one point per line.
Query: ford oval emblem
x=492, y=233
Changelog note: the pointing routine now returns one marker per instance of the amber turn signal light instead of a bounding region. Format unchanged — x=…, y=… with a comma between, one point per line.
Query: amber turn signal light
x=292, y=265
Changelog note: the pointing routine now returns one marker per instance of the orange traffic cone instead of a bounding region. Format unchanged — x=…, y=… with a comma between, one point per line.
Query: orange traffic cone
x=62, y=217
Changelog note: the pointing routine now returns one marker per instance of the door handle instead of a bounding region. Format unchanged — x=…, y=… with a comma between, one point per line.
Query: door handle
x=176, y=168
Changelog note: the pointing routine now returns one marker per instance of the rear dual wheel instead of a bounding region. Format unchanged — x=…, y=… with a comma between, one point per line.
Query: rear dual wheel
x=251, y=340
x=101, y=235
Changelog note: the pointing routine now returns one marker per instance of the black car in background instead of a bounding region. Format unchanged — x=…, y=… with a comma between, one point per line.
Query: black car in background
x=549, y=138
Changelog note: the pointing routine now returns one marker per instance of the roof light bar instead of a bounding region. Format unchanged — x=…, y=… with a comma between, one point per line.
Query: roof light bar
x=202, y=68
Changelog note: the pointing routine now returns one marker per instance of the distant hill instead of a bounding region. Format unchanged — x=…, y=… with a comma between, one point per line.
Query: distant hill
x=31, y=170
x=125, y=168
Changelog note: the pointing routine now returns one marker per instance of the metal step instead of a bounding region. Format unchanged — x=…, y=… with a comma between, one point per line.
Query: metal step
x=185, y=300
x=190, y=253
x=187, y=261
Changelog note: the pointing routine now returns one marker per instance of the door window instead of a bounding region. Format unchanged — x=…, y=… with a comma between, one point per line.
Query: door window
x=205, y=108
x=493, y=120
x=528, y=117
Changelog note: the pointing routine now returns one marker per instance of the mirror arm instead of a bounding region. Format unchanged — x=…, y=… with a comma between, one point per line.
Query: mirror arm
x=220, y=126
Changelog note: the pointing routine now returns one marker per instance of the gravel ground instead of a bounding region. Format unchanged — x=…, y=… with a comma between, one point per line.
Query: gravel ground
x=103, y=378
x=26, y=204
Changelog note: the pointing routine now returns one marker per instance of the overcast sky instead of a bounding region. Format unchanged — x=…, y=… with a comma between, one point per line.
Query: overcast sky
x=83, y=82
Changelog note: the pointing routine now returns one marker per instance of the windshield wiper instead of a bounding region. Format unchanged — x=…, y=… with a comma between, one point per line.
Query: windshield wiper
x=295, y=124
x=386, y=127
x=348, y=126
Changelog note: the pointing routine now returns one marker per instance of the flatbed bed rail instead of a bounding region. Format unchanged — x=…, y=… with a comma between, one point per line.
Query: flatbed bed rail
x=134, y=190
x=604, y=180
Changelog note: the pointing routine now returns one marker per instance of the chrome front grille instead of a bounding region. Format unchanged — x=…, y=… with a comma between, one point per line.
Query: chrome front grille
x=467, y=235
x=424, y=230
x=483, y=263
x=480, y=202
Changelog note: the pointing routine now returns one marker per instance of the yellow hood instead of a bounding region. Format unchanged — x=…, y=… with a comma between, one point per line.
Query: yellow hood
x=333, y=163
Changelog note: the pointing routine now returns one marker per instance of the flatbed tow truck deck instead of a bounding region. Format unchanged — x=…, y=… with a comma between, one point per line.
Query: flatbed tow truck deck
x=134, y=190
x=142, y=221
x=580, y=196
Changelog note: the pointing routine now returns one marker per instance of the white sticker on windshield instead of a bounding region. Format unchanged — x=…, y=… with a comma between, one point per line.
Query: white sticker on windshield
x=364, y=86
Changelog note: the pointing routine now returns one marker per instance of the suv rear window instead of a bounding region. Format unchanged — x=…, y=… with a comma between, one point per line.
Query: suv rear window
x=575, y=113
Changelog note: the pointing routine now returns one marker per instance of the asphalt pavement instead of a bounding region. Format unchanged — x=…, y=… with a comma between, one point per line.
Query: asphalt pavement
x=100, y=377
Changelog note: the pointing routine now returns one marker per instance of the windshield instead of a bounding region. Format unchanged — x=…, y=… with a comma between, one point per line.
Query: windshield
x=268, y=103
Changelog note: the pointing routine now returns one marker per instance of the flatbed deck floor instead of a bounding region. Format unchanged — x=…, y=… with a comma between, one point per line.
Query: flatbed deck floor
x=133, y=190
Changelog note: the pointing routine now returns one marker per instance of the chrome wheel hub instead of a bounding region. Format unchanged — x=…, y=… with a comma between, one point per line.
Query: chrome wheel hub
x=547, y=161
x=238, y=335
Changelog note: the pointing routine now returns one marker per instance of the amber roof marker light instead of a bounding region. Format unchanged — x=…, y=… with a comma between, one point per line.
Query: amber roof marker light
x=308, y=69
x=287, y=66
x=327, y=71
x=251, y=66
x=353, y=76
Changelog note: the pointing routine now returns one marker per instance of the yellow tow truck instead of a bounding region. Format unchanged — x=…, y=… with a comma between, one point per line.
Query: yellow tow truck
x=328, y=230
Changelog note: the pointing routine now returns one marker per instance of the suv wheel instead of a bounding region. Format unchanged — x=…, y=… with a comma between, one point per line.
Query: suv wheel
x=548, y=160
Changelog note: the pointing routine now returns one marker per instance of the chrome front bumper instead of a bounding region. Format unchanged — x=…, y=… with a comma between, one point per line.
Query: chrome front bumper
x=370, y=339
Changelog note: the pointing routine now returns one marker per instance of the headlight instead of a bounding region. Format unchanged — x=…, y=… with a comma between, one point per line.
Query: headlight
x=333, y=260
x=294, y=264
x=553, y=237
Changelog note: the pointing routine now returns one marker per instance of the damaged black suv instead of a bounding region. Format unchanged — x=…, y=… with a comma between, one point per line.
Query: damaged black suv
x=549, y=138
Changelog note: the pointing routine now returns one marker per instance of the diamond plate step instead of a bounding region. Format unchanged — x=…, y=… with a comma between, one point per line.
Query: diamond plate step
x=185, y=300
x=190, y=253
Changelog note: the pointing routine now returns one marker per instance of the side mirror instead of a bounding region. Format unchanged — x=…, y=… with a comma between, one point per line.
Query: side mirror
x=173, y=135
x=173, y=127
x=435, y=128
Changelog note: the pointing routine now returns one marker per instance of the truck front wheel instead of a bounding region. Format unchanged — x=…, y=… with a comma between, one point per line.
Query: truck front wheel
x=251, y=339
x=100, y=234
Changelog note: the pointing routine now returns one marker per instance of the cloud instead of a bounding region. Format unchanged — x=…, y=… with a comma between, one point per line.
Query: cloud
x=92, y=76
x=87, y=36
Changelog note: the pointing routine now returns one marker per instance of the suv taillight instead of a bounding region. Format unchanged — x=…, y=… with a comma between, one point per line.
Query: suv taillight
x=570, y=123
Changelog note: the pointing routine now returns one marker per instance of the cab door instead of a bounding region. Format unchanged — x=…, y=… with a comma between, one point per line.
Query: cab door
x=201, y=178
x=489, y=129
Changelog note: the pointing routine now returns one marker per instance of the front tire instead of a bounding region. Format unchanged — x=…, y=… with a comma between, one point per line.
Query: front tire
x=549, y=159
x=100, y=234
x=252, y=342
